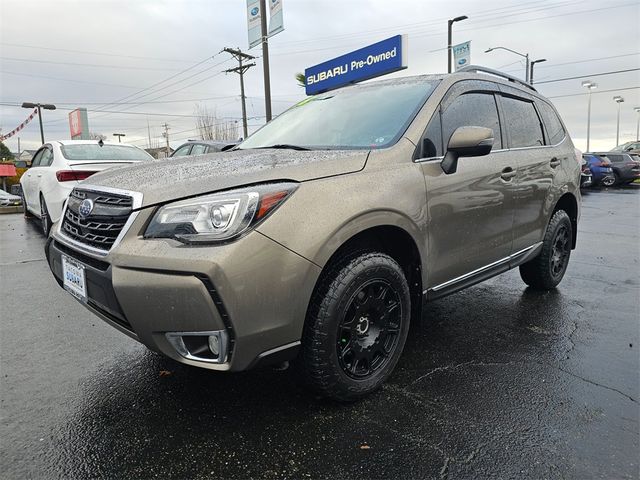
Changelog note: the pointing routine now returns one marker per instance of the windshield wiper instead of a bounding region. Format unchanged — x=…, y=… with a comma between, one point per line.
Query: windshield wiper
x=286, y=146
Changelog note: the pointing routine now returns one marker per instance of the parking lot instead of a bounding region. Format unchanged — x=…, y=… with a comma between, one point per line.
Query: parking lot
x=497, y=381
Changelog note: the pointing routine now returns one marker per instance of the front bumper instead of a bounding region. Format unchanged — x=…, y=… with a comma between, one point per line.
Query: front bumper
x=254, y=289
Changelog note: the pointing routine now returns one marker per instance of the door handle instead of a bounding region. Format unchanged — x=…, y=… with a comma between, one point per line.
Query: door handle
x=28, y=174
x=39, y=175
x=554, y=162
x=507, y=174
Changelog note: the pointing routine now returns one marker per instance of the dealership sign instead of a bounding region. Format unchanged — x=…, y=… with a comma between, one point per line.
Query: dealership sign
x=254, y=20
x=461, y=54
x=79, y=124
x=384, y=57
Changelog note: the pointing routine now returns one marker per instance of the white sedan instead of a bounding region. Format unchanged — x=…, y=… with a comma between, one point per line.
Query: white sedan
x=59, y=166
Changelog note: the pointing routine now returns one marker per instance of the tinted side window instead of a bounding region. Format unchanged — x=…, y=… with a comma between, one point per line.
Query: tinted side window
x=182, y=151
x=47, y=158
x=472, y=110
x=35, y=161
x=616, y=158
x=432, y=143
x=552, y=122
x=198, y=149
x=525, y=129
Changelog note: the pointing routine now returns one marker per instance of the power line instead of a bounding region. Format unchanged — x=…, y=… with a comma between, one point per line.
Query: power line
x=93, y=65
x=85, y=52
x=133, y=103
x=595, y=92
x=588, y=75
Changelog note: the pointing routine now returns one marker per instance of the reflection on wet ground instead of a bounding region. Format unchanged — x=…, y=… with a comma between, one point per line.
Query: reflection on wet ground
x=497, y=380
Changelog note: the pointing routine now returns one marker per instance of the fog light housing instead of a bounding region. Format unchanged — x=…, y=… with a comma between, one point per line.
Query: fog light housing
x=214, y=345
x=209, y=347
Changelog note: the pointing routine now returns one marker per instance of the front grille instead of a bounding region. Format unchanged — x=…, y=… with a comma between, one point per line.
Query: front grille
x=101, y=227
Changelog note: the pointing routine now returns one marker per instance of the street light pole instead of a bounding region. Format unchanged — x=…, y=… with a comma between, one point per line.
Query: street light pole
x=618, y=99
x=531, y=69
x=637, y=109
x=119, y=135
x=525, y=56
x=39, y=106
x=450, y=38
x=265, y=59
x=590, y=86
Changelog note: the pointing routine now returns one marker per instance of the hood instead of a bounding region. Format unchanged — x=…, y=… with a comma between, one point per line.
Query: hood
x=175, y=178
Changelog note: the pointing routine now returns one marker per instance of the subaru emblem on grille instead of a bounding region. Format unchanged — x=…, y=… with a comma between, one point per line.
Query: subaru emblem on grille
x=86, y=207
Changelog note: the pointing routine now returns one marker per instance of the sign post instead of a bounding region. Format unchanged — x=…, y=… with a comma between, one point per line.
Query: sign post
x=380, y=58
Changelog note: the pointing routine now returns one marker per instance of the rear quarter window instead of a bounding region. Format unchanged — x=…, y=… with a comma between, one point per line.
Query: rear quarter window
x=555, y=130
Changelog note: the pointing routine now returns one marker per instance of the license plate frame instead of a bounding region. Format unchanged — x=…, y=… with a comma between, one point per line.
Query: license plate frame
x=74, y=278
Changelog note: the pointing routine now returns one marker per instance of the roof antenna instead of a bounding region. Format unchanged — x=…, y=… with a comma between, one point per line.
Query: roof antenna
x=100, y=142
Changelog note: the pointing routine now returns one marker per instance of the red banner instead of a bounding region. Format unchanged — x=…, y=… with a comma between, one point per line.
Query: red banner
x=21, y=126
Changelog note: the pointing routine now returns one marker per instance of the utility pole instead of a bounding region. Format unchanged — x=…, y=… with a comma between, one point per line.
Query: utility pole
x=165, y=134
x=18, y=149
x=241, y=69
x=265, y=59
x=119, y=135
x=149, y=133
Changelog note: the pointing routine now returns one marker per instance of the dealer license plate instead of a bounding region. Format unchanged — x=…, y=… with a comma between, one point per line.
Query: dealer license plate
x=74, y=279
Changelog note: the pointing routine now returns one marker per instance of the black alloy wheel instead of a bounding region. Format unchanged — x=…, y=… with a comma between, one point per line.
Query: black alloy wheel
x=369, y=331
x=560, y=252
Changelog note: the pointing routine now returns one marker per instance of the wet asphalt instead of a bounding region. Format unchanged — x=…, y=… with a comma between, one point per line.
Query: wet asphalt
x=497, y=381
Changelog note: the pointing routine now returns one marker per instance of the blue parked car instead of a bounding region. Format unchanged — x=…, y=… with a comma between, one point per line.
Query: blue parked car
x=600, y=170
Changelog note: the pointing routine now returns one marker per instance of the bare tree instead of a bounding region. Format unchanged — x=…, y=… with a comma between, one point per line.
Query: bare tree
x=211, y=127
x=97, y=136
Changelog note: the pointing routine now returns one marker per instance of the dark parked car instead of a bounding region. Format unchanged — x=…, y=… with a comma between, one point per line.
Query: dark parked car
x=586, y=177
x=600, y=169
x=200, y=147
x=626, y=166
x=629, y=147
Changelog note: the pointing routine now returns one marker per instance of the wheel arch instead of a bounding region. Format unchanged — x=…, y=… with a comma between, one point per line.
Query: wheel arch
x=391, y=238
x=569, y=204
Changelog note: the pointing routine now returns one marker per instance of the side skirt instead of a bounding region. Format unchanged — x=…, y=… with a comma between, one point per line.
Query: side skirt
x=483, y=273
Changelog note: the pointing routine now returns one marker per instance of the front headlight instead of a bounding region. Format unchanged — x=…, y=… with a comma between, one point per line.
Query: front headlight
x=220, y=216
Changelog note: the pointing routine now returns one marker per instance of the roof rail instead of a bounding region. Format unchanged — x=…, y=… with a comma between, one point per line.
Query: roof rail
x=511, y=78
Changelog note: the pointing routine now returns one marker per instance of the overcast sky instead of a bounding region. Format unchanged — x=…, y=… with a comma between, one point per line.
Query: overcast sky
x=105, y=54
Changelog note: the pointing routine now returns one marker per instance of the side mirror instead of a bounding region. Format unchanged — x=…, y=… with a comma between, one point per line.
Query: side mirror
x=466, y=142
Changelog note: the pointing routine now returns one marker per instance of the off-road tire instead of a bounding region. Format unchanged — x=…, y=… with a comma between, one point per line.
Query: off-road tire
x=318, y=364
x=539, y=273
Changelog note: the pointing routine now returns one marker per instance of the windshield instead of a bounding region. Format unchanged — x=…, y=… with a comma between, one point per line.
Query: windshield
x=93, y=151
x=366, y=116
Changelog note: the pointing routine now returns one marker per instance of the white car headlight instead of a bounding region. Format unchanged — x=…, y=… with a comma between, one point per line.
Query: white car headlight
x=220, y=216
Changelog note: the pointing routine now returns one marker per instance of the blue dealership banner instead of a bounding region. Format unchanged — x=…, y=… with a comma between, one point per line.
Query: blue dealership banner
x=371, y=61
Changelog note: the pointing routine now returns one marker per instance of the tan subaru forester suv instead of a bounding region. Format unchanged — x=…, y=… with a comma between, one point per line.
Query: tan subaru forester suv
x=318, y=238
